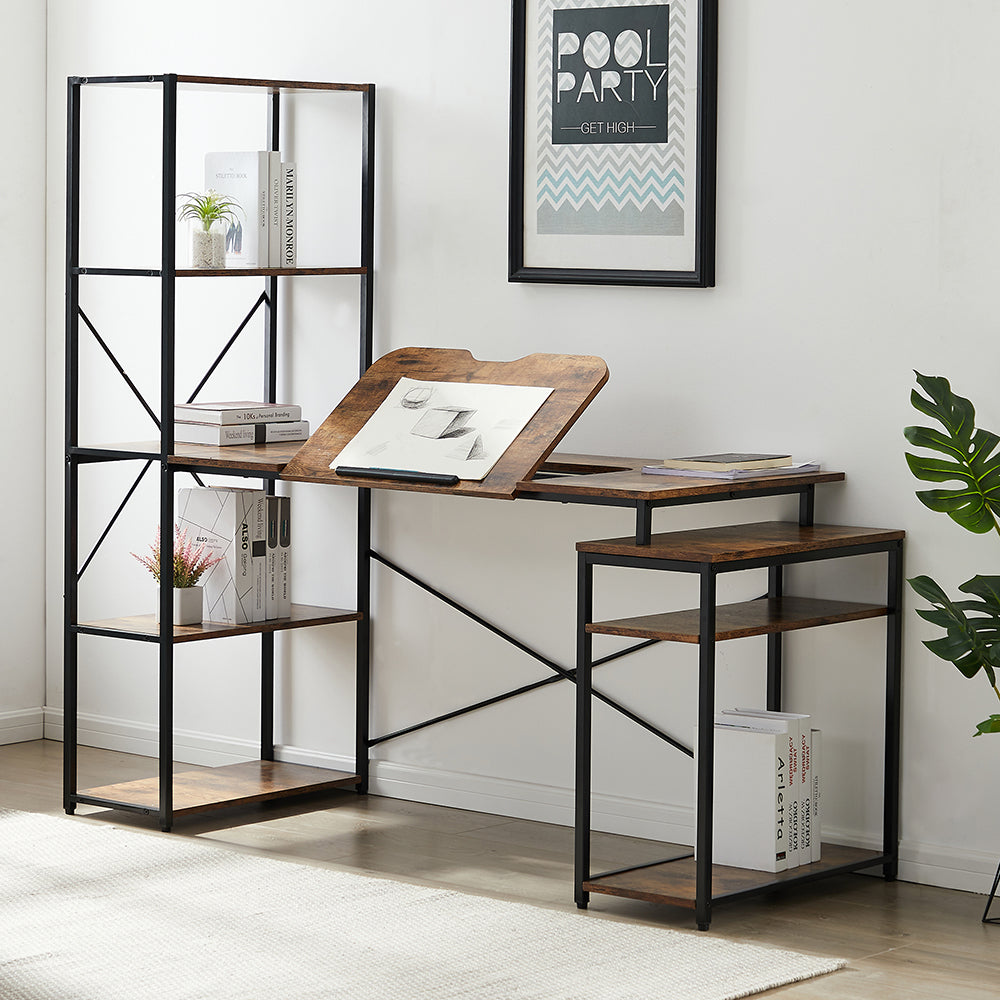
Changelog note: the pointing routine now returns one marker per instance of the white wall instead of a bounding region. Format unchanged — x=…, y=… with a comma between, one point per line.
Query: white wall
x=857, y=217
x=22, y=375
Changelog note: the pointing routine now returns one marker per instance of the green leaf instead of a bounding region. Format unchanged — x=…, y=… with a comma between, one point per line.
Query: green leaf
x=991, y=725
x=967, y=642
x=970, y=457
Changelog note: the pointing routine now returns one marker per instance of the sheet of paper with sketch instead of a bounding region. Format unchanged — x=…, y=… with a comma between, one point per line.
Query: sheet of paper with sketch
x=451, y=428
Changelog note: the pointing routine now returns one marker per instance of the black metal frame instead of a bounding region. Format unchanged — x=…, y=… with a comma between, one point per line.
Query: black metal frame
x=77, y=456
x=708, y=573
x=987, y=919
x=702, y=272
x=643, y=529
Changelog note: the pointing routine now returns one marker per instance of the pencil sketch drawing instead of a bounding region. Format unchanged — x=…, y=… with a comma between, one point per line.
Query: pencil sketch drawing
x=464, y=433
x=443, y=421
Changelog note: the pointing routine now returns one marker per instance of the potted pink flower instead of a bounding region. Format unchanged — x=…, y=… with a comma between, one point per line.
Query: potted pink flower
x=190, y=562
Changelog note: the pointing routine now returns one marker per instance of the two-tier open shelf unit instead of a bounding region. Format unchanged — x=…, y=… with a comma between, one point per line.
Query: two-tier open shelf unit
x=168, y=795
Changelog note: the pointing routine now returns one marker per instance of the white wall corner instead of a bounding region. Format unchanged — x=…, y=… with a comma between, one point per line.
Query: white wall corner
x=21, y=726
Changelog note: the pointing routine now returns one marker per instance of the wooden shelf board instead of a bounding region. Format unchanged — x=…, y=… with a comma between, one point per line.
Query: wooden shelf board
x=262, y=459
x=737, y=621
x=243, y=272
x=254, y=84
x=229, y=785
x=302, y=616
x=673, y=882
x=625, y=480
x=737, y=542
x=226, y=83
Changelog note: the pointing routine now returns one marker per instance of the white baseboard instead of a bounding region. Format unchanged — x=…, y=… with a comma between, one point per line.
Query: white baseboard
x=927, y=864
x=142, y=739
x=21, y=726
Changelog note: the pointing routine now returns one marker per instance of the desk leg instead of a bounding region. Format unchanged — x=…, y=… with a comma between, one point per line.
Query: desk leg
x=775, y=586
x=893, y=678
x=584, y=664
x=362, y=692
x=705, y=749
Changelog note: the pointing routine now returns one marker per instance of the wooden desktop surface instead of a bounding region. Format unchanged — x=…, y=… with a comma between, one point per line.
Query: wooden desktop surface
x=609, y=476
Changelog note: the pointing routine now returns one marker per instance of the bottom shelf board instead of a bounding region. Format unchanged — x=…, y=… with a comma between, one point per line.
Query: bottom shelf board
x=673, y=882
x=220, y=787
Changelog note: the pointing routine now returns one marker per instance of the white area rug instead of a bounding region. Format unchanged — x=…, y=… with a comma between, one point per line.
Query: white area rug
x=91, y=912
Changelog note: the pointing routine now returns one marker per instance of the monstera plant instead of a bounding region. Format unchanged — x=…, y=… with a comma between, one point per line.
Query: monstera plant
x=968, y=456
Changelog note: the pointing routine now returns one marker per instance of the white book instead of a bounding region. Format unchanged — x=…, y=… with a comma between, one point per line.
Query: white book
x=258, y=554
x=242, y=176
x=287, y=215
x=271, y=571
x=749, y=818
x=225, y=520
x=284, y=558
x=274, y=198
x=815, y=769
x=805, y=799
x=231, y=434
x=238, y=411
x=797, y=726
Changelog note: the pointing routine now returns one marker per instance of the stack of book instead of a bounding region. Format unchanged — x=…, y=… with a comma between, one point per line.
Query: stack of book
x=250, y=532
x=263, y=185
x=730, y=465
x=239, y=422
x=766, y=812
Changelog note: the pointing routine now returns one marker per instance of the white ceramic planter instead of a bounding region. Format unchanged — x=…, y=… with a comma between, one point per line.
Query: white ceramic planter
x=187, y=606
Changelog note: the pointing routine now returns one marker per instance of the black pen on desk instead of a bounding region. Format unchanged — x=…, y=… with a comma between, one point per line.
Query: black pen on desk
x=402, y=475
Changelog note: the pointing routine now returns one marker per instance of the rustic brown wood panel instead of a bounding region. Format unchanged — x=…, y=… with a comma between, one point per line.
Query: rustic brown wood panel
x=244, y=272
x=252, y=84
x=673, y=882
x=737, y=621
x=623, y=477
x=302, y=616
x=735, y=542
x=575, y=380
x=267, y=459
x=232, y=784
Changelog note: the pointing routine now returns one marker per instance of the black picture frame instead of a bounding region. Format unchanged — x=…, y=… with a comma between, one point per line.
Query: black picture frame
x=579, y=239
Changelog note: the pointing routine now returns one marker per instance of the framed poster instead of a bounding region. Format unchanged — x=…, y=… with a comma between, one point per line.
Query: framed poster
x=613, y=141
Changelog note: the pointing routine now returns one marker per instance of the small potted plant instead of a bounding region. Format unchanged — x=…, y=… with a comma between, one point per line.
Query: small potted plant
x=190, y=562
x=212, y=215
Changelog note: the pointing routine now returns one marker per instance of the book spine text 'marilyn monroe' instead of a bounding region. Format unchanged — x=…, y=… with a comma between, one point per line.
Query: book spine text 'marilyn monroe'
x=287, y=234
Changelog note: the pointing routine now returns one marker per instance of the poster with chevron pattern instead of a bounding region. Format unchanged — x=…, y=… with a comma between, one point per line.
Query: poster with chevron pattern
x=612, y=152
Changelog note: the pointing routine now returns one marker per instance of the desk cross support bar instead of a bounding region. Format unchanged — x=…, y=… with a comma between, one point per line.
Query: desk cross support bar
x=562, y=673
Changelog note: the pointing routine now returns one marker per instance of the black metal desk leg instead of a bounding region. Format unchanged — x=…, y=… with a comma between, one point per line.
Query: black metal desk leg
x=893, y=679
x=775, y=587
x=267, y=696
x=987, y=919
x=362, y=695
x=643, y=522
x=584, y=663
x=705, y=749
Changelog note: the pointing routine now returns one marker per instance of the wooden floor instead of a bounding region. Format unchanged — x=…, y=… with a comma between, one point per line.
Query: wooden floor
x=902, y=941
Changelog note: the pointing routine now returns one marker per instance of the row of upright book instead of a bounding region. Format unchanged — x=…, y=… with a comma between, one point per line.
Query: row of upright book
x=250, y=532
x=766, y=812
x=263, y=185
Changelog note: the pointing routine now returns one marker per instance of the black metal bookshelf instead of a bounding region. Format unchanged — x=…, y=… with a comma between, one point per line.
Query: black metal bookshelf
x=258, y=781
